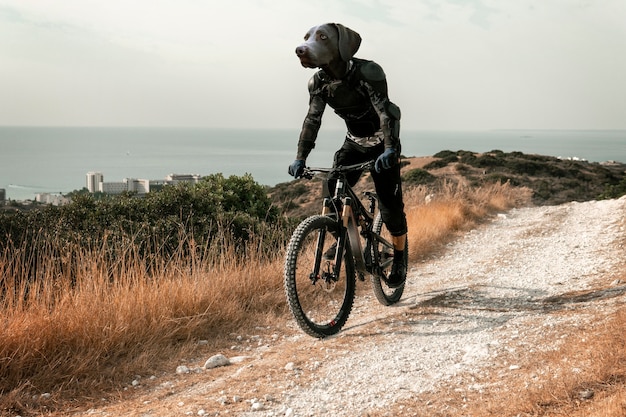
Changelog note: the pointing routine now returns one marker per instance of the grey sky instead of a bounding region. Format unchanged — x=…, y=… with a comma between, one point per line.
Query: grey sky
x=450, y=64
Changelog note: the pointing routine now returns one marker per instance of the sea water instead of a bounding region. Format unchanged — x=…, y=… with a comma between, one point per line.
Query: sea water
x=56, y=159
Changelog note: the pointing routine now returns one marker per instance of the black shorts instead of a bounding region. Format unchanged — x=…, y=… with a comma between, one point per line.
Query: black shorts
x=388, y=183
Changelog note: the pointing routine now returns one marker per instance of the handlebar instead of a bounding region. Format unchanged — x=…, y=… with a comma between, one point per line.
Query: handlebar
x=309, y=172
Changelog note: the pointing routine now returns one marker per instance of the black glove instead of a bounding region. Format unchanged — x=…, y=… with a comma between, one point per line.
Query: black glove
x=386, y=160
x=297, y=168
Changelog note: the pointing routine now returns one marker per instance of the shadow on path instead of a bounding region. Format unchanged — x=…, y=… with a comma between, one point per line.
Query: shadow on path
x=465, y=310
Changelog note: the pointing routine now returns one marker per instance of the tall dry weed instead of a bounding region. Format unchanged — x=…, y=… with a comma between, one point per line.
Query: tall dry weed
x=436, y=216
x=107, y=320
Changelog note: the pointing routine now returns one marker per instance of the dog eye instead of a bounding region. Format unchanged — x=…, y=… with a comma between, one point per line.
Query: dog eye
x=323, y=37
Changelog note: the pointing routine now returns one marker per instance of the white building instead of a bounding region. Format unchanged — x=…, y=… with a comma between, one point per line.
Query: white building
x=178, y=178
x=94, y=179
x=132, y=185
x=113, y=187
x=54, y=199
x=95, y=183
x=138, y=186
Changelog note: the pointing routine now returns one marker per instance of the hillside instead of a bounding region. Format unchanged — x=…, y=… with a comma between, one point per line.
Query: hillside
x=503, y=292
x=553, y=180
x=507, y=317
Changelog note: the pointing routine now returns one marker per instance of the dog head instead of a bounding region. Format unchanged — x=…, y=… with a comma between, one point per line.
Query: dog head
x=326, y=44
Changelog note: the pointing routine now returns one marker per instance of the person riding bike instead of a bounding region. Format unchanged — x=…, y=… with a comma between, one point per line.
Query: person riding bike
x=357, y=90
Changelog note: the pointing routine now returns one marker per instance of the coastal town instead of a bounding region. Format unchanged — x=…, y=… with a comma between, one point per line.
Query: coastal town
x=95, y=184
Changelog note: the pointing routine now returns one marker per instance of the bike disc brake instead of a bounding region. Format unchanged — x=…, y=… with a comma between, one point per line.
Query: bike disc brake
x=329, y=280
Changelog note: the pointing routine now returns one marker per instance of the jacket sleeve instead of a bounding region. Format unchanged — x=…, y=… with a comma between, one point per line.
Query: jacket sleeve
x=375, y=84
x=312, y=121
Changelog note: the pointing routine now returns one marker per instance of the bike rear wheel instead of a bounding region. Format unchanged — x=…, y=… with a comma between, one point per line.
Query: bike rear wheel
x=384, y=294
x=319, y=300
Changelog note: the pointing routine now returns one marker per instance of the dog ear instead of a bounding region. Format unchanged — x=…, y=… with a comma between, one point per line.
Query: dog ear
x=349, y=42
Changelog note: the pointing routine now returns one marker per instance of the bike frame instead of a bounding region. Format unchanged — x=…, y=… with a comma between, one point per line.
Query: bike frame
x=353, y=215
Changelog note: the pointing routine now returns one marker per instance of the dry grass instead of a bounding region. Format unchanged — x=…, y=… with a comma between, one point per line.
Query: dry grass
x=76, y=341
x=588, y=375
x=435, y=218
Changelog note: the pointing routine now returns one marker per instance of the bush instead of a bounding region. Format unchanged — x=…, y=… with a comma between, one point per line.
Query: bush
x=614, y=190
x=445, y=154
x=488, y=161
x=158, y=225
x=418, y=176
x=445, y=158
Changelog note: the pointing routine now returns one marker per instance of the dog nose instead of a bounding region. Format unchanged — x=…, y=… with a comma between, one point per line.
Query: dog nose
x=300, y=50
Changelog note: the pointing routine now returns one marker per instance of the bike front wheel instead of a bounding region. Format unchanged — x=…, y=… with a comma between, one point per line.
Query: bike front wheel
x=384, y=294
x=320, y=298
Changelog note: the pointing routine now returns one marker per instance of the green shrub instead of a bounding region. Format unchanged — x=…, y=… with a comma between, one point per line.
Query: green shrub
x=487, y=161
x=614, y=190
x=445, y=154
x=447, y=158
x=418, y=176
x=157, y=225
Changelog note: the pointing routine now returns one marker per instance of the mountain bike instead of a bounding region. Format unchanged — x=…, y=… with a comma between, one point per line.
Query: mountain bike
x=326, y=253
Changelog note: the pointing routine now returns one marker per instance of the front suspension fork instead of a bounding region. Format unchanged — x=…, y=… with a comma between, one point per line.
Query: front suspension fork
x=334, y=273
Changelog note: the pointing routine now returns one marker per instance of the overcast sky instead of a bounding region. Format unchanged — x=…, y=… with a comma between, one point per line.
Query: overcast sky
x=450, y=64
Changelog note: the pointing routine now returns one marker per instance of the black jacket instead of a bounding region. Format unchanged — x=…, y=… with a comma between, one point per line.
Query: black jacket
x=360, y=98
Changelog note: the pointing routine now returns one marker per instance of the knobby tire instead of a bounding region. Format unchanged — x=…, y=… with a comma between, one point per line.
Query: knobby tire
x=320, y=308
x=385, y=295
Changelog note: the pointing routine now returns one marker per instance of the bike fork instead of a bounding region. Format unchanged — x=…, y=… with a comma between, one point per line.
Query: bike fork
x=317, y=273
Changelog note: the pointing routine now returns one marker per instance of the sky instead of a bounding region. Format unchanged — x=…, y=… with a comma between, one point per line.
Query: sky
x=450, y=64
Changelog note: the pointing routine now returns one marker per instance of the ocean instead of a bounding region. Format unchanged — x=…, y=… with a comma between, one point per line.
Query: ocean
x=56, y=159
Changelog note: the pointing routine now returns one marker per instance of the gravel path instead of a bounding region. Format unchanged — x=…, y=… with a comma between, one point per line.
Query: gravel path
x=500, y=288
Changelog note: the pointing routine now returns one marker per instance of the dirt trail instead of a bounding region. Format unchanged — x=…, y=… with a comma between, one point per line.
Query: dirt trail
x=496, y=296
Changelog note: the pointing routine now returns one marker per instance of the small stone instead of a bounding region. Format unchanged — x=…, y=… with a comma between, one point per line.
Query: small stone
x=513, y=367
x=586, y=394
x=45, y=396
x=290, y=366
x=216, y=361
x=257, y=406
x=182, y=369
